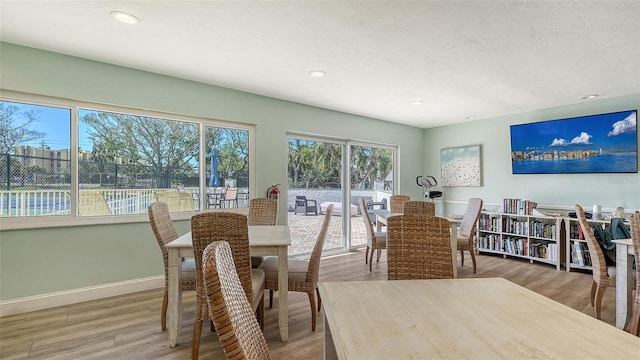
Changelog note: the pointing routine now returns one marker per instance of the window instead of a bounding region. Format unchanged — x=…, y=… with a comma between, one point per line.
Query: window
x=125, y=161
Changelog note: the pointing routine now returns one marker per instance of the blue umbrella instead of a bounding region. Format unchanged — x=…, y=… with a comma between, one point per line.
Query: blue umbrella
x=214, y=180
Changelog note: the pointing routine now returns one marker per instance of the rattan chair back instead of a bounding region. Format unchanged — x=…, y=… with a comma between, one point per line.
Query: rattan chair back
x=263, y=211
x=419, y=207
x=396, y=202
x=231, y=312
x=419, y=247
x=635, y=236
x=601, y=279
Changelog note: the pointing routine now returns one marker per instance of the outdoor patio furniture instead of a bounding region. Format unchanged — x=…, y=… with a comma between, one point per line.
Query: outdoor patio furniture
x=305, y=206
x=231, y=197
x=92, y=204
x=337, y=208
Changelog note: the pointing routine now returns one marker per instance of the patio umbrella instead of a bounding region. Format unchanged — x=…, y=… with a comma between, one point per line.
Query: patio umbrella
x=214, y=180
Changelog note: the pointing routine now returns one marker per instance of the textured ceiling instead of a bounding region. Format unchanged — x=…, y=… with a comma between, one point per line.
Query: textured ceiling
x=463, y=58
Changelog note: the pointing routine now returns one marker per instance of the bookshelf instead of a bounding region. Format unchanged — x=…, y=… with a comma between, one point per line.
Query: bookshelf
x=578, y=256
x=533, y=237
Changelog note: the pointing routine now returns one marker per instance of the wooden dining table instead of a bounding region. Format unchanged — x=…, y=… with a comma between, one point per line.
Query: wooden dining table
x=624, y=281
x=381, y=220
x=263, y=241
x=475, y=318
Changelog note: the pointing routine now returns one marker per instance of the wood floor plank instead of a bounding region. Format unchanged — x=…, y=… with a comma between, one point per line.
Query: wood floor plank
x=128, y=327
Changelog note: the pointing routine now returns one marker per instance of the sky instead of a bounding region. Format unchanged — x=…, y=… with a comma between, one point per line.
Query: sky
x=604, y=131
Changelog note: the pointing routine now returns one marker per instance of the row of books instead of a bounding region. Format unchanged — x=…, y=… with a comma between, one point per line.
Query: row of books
x=518, y=206
x=543, y=230
x=515, y=226
x=580, y=254
x=489, y=223
x=519, y=246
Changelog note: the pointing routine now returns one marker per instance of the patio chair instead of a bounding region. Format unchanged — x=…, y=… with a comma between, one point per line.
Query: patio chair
x=171, y=198
x=303, y=274
x=635, y=236
x=467, y=232
x=230, y=197
x=419, y=247
x=396, y=202
x=376, y=241
x=603, y=275
x=235, y=323
x=305, y=206
x=209, y=227
x=165, y=232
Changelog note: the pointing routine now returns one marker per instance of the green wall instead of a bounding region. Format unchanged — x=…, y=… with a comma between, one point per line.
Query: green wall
x=565, y=190
x=40, y=261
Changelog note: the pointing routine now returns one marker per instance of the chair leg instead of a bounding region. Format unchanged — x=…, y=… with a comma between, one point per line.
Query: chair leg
x=379, y=252
x=598, y=301
x=270, y=298
x=371, y=260
x=461, y=257
x=594, y=285
x=312, y=302
x=195, y=343
x=261, y=313
x=366, y=255
x=473, y=260
x=635, y=321
x=319, y=299
x=163, y=316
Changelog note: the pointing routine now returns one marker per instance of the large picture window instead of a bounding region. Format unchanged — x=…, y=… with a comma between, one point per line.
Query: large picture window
x=125, y=161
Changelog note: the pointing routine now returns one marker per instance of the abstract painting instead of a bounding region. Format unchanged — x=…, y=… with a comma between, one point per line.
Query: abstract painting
x=460, y=166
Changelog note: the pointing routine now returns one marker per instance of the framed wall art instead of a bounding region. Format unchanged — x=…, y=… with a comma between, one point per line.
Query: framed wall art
x=460, y=166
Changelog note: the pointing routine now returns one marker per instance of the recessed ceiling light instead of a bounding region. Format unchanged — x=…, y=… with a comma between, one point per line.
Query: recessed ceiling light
x=317, y=73
x=417, y=102
x=593, y=96
x=124, y=17
x=470, y=117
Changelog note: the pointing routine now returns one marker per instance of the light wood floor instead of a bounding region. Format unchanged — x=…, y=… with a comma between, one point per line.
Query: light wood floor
x=128, y=327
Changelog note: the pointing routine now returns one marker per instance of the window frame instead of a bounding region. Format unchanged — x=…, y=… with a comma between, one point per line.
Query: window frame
x=31, y=222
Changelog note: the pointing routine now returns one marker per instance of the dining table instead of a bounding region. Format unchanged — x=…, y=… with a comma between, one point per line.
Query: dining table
x=381, y=220
x=472, y=318
x=263, y=241
x=624, y=281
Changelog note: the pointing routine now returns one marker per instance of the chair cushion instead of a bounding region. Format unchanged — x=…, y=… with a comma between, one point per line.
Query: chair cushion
x=189, y=269
x=381, y=237
x=257, y=283
x=297, y=269
x=611, y=271
x=462, y=240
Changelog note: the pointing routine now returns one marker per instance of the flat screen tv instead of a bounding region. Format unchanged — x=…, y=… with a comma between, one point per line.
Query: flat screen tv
x=603, y=143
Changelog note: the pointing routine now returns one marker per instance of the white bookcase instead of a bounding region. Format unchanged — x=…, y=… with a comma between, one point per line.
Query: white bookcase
x=532, y=237
x=578, y=256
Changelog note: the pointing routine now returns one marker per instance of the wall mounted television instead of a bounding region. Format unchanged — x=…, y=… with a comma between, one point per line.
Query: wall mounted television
x=603, y=143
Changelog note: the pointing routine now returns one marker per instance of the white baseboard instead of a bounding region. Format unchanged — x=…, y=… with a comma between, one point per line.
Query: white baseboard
x=46, y=301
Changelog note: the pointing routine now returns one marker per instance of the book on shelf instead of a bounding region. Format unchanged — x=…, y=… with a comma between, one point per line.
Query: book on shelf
x=518, y=206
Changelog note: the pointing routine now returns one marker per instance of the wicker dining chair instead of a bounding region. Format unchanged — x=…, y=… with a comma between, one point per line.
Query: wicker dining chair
x=165, y=232
x=419, y=247
x=396, y=202
x=467, y=231
x=603, y=275
x=635, y=236
x=262, y=211
x=376, y=241
x=303, y=274
x=231, y=312
x=209, y=227
x=419, y=207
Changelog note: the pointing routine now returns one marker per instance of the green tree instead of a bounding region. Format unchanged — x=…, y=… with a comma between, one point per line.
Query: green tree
x=14, y=127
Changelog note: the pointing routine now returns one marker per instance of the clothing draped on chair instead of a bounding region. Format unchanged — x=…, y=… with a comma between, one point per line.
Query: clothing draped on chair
x=635, y=236
x=467, y=232
x=235, y=323
x=209, y=227
x=165, y=232
x=376, y=241
x=303, y=274
x=396, y=202
x=419, y=247
x=603, y=275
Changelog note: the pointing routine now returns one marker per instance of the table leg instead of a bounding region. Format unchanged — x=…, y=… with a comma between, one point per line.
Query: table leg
x=329, y=347
x=283, y=293
x=624, y=285
x=174, y=306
